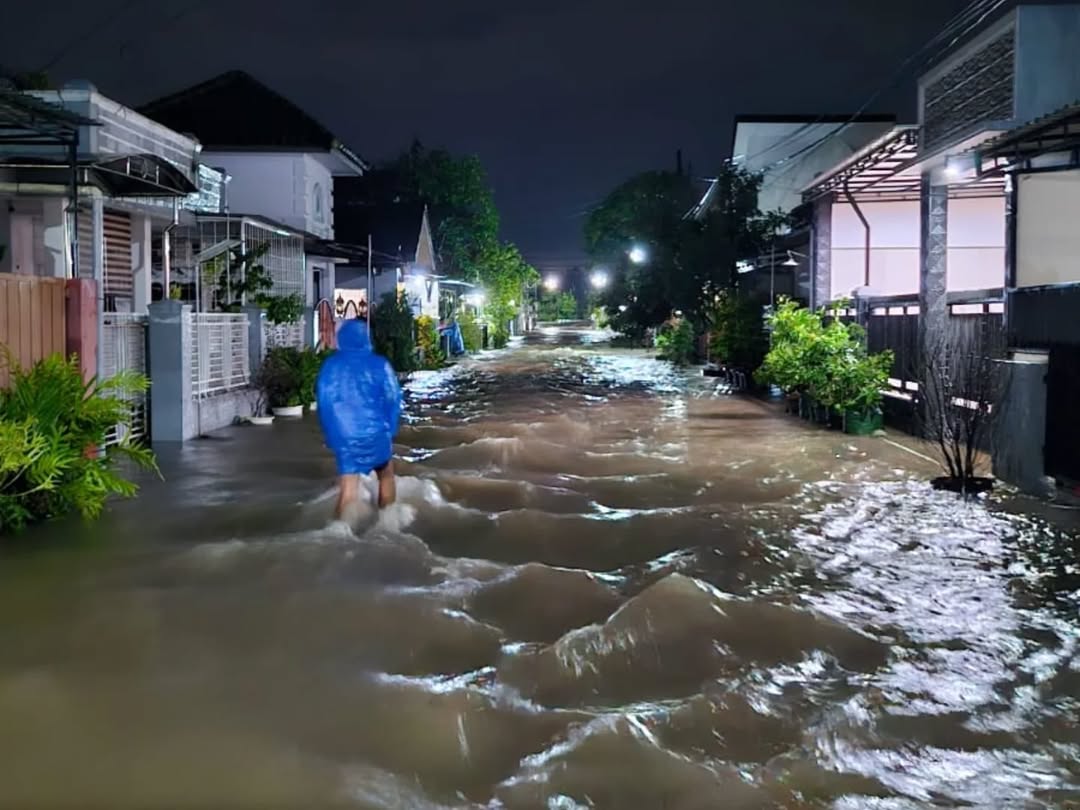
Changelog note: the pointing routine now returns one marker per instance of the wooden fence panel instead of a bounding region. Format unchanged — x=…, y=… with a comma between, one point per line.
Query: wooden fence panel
x=32, y=319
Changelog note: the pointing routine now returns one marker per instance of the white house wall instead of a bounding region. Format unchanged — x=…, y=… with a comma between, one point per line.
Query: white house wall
x=281, y=186
x=1047, y=235
x=976, y=259
x=976, y=246
x=894, y=255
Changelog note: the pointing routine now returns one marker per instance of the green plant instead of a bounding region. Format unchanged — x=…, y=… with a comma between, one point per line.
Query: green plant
x=282, y=377
x=308, y=363
x=675, y=341
x=558, y=307
x=826, y=359
x=500, y=336
x=282, y=309
x=427, y=340
x=471, y=333
x=176, y=292
x=237, y=277
x=52, y=425
x=392, y=332
x=736, y=331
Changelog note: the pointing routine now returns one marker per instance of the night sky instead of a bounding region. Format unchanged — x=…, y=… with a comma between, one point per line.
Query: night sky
x=561, y=100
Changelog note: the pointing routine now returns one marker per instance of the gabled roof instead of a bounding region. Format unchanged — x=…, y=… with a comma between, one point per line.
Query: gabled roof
x=235, y=111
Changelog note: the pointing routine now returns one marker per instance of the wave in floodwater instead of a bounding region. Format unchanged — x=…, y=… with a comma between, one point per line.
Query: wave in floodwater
x=605, y=586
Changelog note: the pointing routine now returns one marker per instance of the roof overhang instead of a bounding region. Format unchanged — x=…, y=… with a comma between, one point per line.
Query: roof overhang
x=1018, y=149
x=116, y=176
x=877, y=171
x=891, y=170
x=29, y=121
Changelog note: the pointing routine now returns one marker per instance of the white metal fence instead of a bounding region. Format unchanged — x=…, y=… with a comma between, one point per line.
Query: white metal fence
x=124, y=349
x=281, y=335
x=218, y=352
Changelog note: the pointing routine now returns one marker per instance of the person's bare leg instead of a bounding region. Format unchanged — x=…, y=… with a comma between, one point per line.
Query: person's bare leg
x=348, y=493
x=387, y=485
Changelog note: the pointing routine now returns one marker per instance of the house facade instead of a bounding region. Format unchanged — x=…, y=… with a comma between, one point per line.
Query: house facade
x=281, y=164
x=403, y=250
x=788, y=152
x=925, y=229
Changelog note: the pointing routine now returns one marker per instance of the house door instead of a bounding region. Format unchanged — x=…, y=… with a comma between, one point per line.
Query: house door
x=1062, y=448
x=22, y=244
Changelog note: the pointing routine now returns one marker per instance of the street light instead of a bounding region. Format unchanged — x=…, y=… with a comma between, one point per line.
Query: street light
x=638, y=254
x=551, y=283
x=599, y=279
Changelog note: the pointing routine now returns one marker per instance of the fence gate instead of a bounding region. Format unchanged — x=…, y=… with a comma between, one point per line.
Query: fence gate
x=124, y=349
x=1062, y=445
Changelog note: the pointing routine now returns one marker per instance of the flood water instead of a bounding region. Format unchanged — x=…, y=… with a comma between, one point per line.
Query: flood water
x=606, y=586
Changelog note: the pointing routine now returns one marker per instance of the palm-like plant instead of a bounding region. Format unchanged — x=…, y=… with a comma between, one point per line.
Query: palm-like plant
x=53, y=426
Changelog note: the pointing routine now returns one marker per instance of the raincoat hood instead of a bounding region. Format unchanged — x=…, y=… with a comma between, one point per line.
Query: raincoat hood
x=353, y=336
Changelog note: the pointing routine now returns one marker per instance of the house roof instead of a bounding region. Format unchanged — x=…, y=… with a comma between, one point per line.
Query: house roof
x=235, y=111
x=1057, y=132
x=26, y=120
x=781, y=118
x=874, y=168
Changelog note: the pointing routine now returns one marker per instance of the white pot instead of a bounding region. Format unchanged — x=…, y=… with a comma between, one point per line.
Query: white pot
x=314, y=406
x=261, y=420
x=291, y=411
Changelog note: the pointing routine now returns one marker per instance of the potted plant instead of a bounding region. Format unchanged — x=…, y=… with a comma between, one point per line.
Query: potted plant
x=854, y=382
x=283, y=381
x=259, y=397
x=309, y=363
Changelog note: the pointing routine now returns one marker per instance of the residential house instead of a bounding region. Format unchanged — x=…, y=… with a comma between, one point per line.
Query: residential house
x=788, y=152
x=925, y=227
x=98, y=209
x=281, y=165
x=403, y=251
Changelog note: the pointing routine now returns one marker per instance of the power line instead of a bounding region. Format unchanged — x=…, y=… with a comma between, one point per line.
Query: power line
x=972, y=16
x=83, y=36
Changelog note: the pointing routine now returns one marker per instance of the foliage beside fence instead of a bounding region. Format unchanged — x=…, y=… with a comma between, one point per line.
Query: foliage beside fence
x=52, y=428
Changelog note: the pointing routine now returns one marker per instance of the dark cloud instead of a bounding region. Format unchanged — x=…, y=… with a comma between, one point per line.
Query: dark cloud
x=561, y=99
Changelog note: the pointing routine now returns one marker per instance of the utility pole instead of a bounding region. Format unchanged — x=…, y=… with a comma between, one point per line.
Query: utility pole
x=370, y=309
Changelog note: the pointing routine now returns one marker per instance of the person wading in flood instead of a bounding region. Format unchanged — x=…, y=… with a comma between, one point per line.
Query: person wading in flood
x=359, y=403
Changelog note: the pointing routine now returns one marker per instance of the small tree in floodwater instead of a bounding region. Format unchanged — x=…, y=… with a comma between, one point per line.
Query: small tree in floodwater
x=961, y=389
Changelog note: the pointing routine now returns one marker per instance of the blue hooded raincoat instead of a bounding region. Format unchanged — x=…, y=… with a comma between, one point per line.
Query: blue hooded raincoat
x=359, y=402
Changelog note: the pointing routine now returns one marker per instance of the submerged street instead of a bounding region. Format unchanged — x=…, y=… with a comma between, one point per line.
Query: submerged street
x=606, y=585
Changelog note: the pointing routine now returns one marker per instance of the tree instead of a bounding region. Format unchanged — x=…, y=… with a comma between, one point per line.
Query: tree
x=691, y=257
x=505, y=276
x=960, y=393
x=461, y=207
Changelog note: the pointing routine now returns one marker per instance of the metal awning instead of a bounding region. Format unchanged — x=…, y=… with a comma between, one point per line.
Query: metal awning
x=29, y=121
x=1056, y=133
x=876, y=171
x=116, y=176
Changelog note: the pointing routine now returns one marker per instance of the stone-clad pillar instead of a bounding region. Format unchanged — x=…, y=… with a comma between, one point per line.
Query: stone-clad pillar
x=821, y=283
x=933, y=258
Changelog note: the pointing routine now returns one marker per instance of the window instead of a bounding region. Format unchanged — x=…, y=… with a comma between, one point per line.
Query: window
x=318, y=202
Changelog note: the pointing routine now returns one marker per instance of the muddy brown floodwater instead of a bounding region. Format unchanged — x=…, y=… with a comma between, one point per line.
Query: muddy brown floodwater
x=607, y=586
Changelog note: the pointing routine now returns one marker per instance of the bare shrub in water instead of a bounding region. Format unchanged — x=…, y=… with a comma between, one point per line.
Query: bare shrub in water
x=961, y=388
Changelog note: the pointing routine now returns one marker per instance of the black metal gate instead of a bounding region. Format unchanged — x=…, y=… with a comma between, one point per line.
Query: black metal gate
x=1062, y=448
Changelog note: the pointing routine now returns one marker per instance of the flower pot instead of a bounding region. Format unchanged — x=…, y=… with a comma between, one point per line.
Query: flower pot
x=262, y=421
x=862, y=424
x=290, y=411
